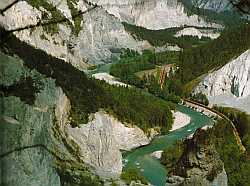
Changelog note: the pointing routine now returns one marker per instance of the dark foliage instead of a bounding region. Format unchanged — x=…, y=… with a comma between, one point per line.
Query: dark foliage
x=227, y=17
x=164, y=36
x=132, y=63
x=241, y=121
x=200, y=98
x=171, y=155
x=197, y=61
x=26, y=89
x=133, y=175
x=89, y=95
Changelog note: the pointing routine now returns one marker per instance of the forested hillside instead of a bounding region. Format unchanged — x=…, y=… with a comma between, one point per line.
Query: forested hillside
x=221, y=136
x=89, y=95
x=197, y=61
x=132, y=63
x=191, y=62
x=226, y=17
x=165, y=36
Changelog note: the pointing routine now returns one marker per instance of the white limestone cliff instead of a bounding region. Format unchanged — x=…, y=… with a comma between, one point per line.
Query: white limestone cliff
x=109, y=79
x=153, y=14
x=230, y=85
x=101, y=31
x=101, y=140
x=191, y=31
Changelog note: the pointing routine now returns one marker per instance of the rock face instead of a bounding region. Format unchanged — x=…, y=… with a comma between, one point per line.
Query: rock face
x=33, y=140
x=215, y=5
x=100, y=33
x=229, y=85
x=191, y=31
x=101, y=140
x=25, y=132
x=152, y=14
x=200, y=164
x=157, y=154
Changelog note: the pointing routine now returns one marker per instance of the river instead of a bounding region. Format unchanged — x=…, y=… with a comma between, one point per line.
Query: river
x=150, y=167
x=140, y=158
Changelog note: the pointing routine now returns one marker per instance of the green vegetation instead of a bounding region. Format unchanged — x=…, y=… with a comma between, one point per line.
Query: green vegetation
x=26, y=89
x=135, y=106
x=93, y=67
x=227, y=17
x=200, y=60
x=55, y=16
x=77, y=19
x=192, y=62
x=132, y=175
x=88, y=95
x=236, y=163
x=164, y=36
x=221, y=136
x=73, y=175
x=171, y=155
x=200, y=98
x=241, y=121
x=131, y=63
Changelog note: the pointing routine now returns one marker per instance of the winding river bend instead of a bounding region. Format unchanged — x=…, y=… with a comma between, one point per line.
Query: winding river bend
x=140, y=158
x=149, y=166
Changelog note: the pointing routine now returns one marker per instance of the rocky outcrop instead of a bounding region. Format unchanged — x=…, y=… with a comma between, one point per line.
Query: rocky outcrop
x=200, y=164
x=215, y=5
x=109, y=79
x=99, y=36
x=157, y=154
x=101, y=140
x=230, y=85
x=25, y=137
x=191, y=31
x=152, y=14
x=34, y=144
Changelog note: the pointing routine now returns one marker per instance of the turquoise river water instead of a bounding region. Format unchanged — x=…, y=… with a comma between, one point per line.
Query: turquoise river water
x=150, y=167
x=140, y=158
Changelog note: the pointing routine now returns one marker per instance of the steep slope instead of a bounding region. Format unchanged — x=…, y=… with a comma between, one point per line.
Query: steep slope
x=230, y=84
x=200, y=164
x=214, y=153
x=153, y=14
x=215, y=5
x=75, y=130
x=191, y=31
x=96, y=36
x=101, y=140
x=33, y=143
x=90, y=40
x=38, y=144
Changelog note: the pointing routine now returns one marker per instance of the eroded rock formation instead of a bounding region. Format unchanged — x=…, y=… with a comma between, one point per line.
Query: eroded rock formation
x=230, y=85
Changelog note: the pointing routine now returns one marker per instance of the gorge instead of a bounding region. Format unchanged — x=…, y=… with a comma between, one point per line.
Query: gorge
x=131, y=92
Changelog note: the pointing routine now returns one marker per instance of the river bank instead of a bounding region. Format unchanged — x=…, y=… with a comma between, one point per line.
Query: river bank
x=180, y=120
x=150, y=167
